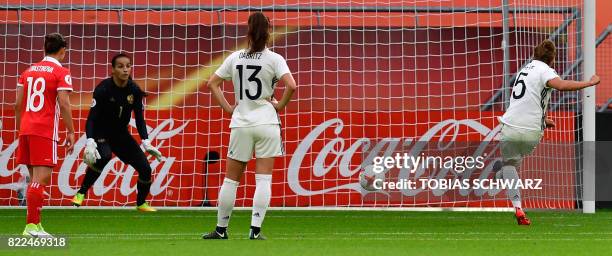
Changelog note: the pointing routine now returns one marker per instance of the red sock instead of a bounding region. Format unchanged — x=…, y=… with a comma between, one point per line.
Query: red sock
x=35, y=196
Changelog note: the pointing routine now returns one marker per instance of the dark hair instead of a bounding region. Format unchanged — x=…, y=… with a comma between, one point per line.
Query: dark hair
x=545, y=52
x=54, y=42
x=259, y=32
x=120, y=55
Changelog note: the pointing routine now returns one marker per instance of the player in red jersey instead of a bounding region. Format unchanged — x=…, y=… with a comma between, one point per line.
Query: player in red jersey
x=42, y=94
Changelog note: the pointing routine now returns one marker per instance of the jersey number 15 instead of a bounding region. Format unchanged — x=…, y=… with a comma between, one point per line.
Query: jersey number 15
x=519, y=81
x=252, y=78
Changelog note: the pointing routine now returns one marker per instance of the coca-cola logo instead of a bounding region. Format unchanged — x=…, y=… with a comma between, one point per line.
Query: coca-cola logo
x=5, y=157
x=342, y=155
x=122, y=174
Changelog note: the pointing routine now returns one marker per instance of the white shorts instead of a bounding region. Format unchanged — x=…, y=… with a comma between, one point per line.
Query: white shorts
x=517, y=143
x=265, y=140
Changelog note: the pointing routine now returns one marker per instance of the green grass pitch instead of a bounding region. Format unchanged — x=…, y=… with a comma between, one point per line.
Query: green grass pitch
x=177, y=232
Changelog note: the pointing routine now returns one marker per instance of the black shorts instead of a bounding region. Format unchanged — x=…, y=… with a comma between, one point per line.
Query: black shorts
x=125, y=148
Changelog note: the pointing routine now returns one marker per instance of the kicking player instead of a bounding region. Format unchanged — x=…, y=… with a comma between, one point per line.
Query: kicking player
x=525, y=118
x=255, y=124
x=46, y=96
x=114, y=99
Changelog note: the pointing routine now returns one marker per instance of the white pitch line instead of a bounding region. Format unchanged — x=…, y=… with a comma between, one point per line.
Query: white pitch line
x=70, y=235
x=295, y=238
x=311, y=216
x=312, y=208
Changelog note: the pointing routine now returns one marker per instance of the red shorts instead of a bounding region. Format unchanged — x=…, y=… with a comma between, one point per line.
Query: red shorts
x=36, y=151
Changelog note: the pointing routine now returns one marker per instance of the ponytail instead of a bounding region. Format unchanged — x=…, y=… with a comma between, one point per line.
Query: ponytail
x=259, y=32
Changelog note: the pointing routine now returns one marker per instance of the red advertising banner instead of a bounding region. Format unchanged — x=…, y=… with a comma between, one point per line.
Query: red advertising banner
x=325, y=154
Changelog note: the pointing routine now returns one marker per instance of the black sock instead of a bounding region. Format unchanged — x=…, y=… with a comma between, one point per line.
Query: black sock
x=90, y=177
x=143, y=191
x=255, y=230
x=221, y=230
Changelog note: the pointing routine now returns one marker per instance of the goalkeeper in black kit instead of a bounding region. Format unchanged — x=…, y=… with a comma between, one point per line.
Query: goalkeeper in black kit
x=114, y=99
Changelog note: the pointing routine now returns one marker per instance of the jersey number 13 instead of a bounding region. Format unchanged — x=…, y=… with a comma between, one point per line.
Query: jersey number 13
x=252, y=78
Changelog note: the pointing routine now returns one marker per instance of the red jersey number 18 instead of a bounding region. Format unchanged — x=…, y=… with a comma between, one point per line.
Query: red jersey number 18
x=36, y=88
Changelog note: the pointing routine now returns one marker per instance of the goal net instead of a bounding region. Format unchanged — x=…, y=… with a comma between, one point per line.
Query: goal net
x=373, y=78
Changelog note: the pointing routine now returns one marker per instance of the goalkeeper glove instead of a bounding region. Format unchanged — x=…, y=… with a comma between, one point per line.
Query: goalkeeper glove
x=146, y=144
x=91, y=154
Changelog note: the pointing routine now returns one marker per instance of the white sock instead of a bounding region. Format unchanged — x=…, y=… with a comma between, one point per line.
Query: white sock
x=509, y=173
x=225, y=203
x=261, y=198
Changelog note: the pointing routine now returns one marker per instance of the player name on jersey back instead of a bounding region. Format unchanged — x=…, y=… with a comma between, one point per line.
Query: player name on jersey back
x=250, y=56
x=41, y=69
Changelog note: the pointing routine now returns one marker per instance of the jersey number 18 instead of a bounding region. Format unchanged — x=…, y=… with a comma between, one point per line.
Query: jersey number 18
x=36, y=88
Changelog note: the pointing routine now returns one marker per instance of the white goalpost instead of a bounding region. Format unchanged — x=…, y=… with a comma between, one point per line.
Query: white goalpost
x=373, y=79
x=588, y=121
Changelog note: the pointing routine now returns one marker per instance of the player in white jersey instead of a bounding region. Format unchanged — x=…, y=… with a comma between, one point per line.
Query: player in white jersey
x=525, y=118
x=255, y=124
